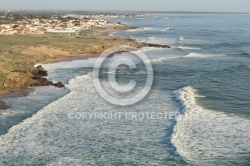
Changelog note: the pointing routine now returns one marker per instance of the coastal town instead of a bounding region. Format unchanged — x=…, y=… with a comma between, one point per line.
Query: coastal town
x=76, y=24
x=31, y=38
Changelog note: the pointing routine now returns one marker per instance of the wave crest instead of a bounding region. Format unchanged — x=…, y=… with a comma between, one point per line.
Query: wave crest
x=190, y=55
x=202, y=136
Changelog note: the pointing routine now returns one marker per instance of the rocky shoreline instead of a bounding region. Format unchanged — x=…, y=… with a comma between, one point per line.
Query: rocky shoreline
x=17, y=69
x=39, y=72
x=38, y=76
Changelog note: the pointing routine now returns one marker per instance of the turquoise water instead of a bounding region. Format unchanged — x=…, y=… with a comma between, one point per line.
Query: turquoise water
x=204, y=77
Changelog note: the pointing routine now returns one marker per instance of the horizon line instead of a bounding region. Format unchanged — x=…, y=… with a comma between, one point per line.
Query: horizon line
x=145, y=11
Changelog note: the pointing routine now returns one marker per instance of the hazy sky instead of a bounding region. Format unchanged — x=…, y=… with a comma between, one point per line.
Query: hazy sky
x=138, y=5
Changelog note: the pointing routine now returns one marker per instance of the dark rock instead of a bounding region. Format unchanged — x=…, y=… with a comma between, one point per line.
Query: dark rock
x=40, y=71
x=59, y=85
x=40, y=81
x=156, y=45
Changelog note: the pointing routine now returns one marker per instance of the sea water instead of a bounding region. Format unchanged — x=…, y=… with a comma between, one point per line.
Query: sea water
x=203, y=78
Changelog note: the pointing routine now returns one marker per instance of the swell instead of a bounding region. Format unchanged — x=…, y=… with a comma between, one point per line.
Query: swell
x=208, y=137
x=190, y=55
x=53, y=137
x=23, y=107
x=149, y=29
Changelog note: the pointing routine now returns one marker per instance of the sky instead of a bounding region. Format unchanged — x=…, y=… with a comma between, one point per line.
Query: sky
x=130, y=5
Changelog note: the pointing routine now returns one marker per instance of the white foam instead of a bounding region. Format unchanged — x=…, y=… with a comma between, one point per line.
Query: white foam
x=188, y=48
x=202, y=136
x=157, y=40
x=163, y=59
x=190, y=55
x=148, y=29
x=148, y=49
x=182, y=38
x=198, y=55
x=50, y=137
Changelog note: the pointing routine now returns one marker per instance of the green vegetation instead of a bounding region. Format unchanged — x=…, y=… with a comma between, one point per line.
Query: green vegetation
x=19, y=53
x=3, y=77
x=9, y=41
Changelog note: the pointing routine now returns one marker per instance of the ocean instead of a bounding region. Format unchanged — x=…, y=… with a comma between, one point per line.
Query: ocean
x=201, y=83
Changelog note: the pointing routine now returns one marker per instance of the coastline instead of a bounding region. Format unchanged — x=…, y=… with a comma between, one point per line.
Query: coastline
x=20, y=75
x=3, y=105
x=197, y=93
x=55, y=54
x=17, y=93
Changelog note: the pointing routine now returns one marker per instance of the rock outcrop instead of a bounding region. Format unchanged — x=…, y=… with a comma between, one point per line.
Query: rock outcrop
x=39, y=80
x=155, y=45
x=59, y=85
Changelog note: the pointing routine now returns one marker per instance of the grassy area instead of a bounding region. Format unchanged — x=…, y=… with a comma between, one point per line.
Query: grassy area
x=3, y=77
x=19, y=53
x=9, y=41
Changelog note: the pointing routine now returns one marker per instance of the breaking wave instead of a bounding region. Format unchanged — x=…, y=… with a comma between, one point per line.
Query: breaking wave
x=149, y=29
x=188, y=48
x=190, y=55
x=203, y=136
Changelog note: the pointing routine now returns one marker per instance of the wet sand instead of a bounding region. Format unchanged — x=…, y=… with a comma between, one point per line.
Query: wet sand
x=3, y=105
x=14, y=94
